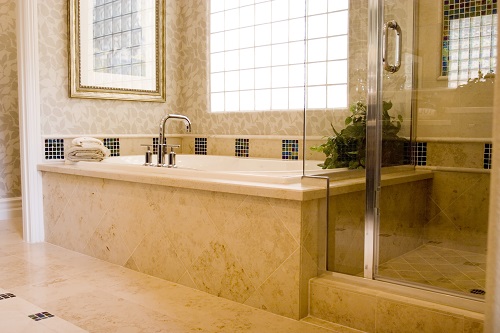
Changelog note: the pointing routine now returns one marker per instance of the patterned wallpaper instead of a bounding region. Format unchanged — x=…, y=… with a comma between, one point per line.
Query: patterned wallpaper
x=64, y=115
x=187, y=84
x=10, y=174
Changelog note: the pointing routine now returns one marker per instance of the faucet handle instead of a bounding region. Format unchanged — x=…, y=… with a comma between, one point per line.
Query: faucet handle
x=148, y=157
x=172, y=147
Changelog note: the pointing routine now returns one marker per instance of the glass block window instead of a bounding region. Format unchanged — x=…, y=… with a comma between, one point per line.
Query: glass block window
x=421, y=153
x=258, y=50
x=241, y=147
x=469, y=40
x=113, y=144
x=200, y=146
x=54, y=149
x=488, y=149
x=118, y=37
x=290, y=149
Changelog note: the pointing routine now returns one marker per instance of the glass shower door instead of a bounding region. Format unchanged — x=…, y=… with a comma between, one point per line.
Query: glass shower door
x=435, y=238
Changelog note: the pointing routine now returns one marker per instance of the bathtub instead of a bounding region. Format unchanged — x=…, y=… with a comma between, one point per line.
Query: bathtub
x=218, y=167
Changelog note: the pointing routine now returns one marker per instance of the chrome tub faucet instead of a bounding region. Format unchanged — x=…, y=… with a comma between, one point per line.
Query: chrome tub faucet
x=162, y=140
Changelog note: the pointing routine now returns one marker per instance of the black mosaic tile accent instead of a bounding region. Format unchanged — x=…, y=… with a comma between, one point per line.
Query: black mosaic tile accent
x=407, y=153
x=113, y=144
x=421, y=153
x=200, y=146
x=6, y=296
x=477, y=292
x=241, y=147
x=41, y=315
x=54, y=149
x=488, y=150
x=289, y=149
x=155, y=144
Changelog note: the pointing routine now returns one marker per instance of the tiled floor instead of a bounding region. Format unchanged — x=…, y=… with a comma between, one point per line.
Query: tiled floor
x=440, y=267
x=88, y=295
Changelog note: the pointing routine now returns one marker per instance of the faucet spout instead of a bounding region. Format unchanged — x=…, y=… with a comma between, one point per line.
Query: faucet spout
x=162, y=138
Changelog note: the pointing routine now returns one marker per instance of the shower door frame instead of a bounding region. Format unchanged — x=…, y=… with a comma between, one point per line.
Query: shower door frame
x=373, y=136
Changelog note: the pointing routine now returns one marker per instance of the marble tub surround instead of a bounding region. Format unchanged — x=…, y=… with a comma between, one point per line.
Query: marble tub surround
x=376, y=309
x=257, y=250
x=86, y=294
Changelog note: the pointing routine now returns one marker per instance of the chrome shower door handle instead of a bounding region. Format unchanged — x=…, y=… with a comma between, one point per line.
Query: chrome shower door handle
x=397, y=58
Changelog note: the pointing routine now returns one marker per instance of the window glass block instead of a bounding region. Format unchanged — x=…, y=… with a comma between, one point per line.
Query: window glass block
x=469, y=37
x=264, y=41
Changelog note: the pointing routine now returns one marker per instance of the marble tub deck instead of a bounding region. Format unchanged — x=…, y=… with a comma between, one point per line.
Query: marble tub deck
x=85, y=294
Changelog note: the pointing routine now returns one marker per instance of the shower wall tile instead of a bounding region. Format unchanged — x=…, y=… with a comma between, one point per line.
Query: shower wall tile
x=239, y=247
x=458, y=211
x=460, y=155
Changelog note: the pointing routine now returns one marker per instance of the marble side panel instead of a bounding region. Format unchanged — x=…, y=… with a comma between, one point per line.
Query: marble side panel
x=399, y=317
x=347, y=308
x=243, y=248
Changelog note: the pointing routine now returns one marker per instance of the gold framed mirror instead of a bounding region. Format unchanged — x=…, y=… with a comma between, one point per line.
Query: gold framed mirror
x=117, y=49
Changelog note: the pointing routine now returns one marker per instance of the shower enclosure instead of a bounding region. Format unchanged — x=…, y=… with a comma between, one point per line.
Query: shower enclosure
x=424, y=71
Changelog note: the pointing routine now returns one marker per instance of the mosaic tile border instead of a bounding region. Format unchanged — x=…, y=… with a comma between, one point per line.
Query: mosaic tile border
x=113, y=144
x=6, y=296
x=200, y=146
x=420, y=154
x=155, y=144
x=54, y=149
x=488, y=152
x=242, y=147
x=289, y=149
x=41, y=315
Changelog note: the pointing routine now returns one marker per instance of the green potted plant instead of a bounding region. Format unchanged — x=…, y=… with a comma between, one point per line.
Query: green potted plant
x=347, y=148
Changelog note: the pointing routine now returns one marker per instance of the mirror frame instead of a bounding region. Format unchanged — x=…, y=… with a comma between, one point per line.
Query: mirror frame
x=79, y=90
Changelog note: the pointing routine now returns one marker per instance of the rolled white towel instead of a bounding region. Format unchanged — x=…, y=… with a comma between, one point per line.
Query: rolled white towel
x=85, y=141
x=88, y=154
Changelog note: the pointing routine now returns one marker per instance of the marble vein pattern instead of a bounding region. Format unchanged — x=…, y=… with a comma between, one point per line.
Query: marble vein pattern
x=254, y=250
x=86, y=294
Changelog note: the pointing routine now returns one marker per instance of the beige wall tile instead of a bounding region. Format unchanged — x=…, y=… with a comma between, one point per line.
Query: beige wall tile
x=279, y=293
x=262, y=243
x=460, y=155
x=217, y=272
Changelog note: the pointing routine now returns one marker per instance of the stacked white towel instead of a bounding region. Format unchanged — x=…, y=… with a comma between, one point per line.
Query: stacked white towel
x=87, y=149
